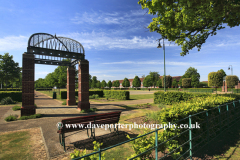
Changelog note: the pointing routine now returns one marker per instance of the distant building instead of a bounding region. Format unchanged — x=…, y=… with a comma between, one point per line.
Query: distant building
x=141, y=79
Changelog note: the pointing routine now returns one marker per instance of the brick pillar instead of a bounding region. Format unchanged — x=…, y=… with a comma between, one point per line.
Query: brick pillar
x=28, y=107
x=226, y=88
x=223, y=87
x=71, y=86
x=83, y=85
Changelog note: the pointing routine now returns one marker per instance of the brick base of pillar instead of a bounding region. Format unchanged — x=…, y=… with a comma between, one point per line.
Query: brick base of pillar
x=71, y=102
x=83, y=106
x=27, y=111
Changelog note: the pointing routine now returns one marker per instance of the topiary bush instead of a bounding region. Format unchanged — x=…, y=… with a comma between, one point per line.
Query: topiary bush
x=7, y=100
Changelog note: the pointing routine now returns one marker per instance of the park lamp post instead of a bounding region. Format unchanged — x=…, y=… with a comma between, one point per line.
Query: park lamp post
x=159, y=46
x=231, y=69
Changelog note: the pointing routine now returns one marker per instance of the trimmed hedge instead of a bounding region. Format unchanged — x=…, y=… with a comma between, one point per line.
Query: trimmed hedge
x=92, y=92
x=10, y=89
x=232, y=81
x=123, y=95
x=15, y=95
x=175, y=97
x=209, y=90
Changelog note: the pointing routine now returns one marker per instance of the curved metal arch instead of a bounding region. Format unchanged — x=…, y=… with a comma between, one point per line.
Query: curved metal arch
x=66, y=42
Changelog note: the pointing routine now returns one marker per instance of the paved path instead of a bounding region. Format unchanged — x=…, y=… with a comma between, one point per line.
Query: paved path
x=54, y=112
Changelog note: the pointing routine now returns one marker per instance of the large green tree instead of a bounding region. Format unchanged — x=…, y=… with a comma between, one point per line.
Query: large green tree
x=109, y=84
x=126, y=83
x=154, y=78
x=103, y=83
x=174, y=82
x=116, y=83
x=223, y=72
x=9, y=69
x=192, y=73
x=136, y=82
x=94, y=82
x=189, y=23
x=147, y=82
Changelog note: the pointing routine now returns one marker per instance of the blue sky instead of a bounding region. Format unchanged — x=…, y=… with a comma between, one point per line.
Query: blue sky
x=114, y=38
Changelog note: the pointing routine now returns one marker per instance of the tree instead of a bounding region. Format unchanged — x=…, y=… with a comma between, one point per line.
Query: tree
x=232, y=81
x=189, y=23
x=90, y=81
x=10, y=70
x=186, y=82
x=223, y=72
x=154, y=78
x=215, y=79
x=94, y=82
x=192, y=73
x=109, y=84
x=126, y=83
x=136, y=82
x=174, y=82
x=116, y=83
x=159, y=83
x=168, y=81
x=147, y=82
x=103, y=84
x=50, y=80
x=194, y=81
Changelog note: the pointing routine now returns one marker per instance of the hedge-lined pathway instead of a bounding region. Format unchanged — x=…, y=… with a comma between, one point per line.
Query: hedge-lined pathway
x=53, y=111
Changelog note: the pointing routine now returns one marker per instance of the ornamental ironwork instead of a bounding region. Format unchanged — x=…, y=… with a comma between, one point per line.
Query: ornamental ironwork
x=53, y=50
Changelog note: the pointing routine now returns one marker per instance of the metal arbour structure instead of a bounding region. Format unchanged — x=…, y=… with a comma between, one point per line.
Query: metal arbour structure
x=47, y=49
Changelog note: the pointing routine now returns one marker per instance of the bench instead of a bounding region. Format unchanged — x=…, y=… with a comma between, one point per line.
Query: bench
x=87, y=122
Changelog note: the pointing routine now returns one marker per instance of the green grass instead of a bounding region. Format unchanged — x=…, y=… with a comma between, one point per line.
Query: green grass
x=15, y=108
x=11, y=118
x=141, y=96
x=15, y=146
x=14, y=117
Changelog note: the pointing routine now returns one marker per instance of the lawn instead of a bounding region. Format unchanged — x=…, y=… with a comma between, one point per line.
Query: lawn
x=15, y=146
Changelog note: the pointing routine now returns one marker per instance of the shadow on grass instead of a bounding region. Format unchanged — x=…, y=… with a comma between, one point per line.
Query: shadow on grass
x=107, y=140
x=226, y=142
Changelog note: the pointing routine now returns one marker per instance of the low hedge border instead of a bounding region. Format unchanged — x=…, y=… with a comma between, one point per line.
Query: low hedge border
x=15, y=95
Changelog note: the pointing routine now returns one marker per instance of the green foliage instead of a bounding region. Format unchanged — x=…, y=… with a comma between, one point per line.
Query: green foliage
x=7, y=100
x=64, y=103
x=88, y=111
x=186, y=82
x=136, y=82
x=98, y=85
x=30, y=117
x=168, y=81
x=103, y=84
x=43, y=89
x=9, y=69
x=109, y=84
x=11, y=118
x=116, y=83
x=223, y=72
x=189, y=23
x=147, y=81
x=96, y=147
x=94, y=82
x=126, y=83
x=159, y=83
x=194, y=81
x=91, y=92
x=122, y=95
x=215, y=79
x=174, y=83
x=15, y=108
x=174, y=97
x=154, y=76
x=202, y=84
x=232, y=81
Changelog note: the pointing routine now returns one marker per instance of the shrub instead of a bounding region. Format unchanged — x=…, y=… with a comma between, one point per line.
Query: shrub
x=91, y=92
x=7, y=100
x=122, y=95
x=30, y=117
x=96, y=147
x=15, y=95
x=11, y=118
x=215, y=79
x=16, y=108
x=64, y=103
x=168, y=81
x=232, y=81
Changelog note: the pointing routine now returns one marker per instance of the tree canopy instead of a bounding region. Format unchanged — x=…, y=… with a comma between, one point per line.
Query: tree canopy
x=189, y=23
x=126, y=83
x=136, y=82
x=147, y=82
x=154, y=78
x=109, y=84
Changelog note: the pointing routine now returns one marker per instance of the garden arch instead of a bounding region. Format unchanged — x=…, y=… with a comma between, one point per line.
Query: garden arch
x=47, y=49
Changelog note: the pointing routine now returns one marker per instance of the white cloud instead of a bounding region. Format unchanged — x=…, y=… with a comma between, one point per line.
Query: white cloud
x=10, y=43
x=118, y=18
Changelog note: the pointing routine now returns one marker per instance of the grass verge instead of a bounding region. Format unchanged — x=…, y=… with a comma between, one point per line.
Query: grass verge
x=15, y=146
